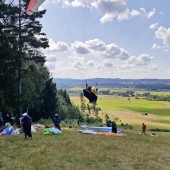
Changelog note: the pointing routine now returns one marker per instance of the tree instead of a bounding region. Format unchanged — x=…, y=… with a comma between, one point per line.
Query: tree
x=8, y=55
x=23, y=41
x=66, y=97
x=50, y=99
x=83, y=105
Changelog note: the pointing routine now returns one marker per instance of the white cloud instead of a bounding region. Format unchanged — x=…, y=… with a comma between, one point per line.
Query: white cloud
x=113, y=9
x=148, y=14
x=107, y=63
x=154, y=26
x=134, y=13
x=96, y=45
x=124, y=15
x=78, y=64
x=50, y=65
x=126, y=66
x=109, y=9
x=114, y=51
x=109, y=6
x=53, y=65
x=123, y=54
x=77, y=3
x=163, y=34
x=155, y=46
x=151, y=13
x=106, y=18
x=154, y=67
x=56, y=47
x=104, y=53
x=142, y=59
x=100, y=67
x=80, y=47
x=143, y=10
x=51, y=58
x=75, y=58
x=90, y=63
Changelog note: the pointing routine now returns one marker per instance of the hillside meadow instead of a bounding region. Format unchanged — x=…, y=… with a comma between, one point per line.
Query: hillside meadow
x=72, y=150
x=131, y=111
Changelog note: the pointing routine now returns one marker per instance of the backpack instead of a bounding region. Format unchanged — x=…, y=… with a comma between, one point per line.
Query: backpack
x=26, y=120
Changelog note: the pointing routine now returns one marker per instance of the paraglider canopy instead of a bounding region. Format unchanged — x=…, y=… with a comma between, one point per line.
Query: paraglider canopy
x=33, y=6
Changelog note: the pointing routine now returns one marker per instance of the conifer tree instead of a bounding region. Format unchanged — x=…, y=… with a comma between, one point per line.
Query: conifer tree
x=83, y=105
x=22, y=41
x=50, y=100
x=66, y=97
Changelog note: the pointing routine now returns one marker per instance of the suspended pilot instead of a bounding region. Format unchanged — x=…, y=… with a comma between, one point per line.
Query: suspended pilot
x=90, y=94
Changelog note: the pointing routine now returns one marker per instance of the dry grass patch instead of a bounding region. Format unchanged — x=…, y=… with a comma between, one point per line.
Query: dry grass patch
x=133, y=117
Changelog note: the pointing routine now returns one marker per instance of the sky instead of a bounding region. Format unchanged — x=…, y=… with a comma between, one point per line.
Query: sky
x=107, y=38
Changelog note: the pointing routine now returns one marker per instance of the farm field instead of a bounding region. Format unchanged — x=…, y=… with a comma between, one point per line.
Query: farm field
x=131, y=111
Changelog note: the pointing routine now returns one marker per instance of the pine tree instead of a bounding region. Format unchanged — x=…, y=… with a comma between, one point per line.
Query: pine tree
x=50, y=100
x=66, y=97
x=8, y=55
x=22, y=41
x=83, y=105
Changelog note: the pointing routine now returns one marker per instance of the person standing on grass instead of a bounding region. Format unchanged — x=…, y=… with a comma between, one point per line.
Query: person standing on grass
x=143, y=129
x=114, y=127
x=57, y=122
x=108, y=123
x=26, y=124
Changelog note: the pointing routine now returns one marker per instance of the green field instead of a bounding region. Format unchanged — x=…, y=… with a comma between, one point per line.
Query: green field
x=74, y=151
x=128, y=110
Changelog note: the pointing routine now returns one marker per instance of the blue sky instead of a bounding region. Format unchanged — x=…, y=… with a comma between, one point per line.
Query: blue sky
x=107, y=38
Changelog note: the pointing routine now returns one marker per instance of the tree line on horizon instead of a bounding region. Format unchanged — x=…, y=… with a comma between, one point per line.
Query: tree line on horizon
x=25, y=81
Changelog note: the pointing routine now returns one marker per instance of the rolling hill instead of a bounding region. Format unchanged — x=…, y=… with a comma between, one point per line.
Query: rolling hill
x=146, y=84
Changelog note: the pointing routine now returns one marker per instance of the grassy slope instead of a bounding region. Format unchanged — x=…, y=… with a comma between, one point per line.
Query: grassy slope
x=160, y=109
x=72, y=150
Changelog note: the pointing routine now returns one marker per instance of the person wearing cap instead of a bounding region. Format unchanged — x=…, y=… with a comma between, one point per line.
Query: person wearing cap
x=26, y=124
x=57, y=122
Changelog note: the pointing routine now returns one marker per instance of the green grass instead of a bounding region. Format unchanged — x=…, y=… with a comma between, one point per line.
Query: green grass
x=72, y=150
x=160, y=109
